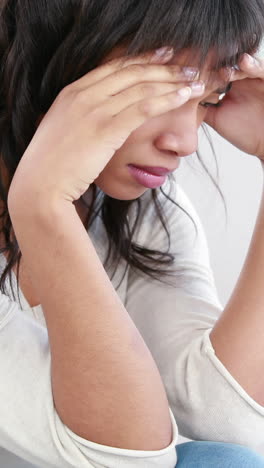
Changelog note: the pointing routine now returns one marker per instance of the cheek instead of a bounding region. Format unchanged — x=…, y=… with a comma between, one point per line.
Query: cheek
x=201, y=115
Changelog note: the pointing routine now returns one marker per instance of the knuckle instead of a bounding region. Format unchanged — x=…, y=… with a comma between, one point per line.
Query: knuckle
x=145, y=108
x=173, y=71
x=84, y=100
x=99, y=118
x=81, y=97
x=137, y=69
x=147, y=89
x=65, y=93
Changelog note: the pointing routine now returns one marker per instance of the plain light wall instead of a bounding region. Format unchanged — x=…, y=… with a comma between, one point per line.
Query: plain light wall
x=240, y=180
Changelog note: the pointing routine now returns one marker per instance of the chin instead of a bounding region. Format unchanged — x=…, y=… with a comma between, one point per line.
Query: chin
x=118, y=190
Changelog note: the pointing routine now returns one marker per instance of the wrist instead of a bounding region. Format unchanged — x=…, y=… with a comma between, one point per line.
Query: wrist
x=27, y=204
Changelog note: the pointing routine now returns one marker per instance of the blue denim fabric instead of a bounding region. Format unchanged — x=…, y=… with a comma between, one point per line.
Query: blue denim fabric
x=203, y=454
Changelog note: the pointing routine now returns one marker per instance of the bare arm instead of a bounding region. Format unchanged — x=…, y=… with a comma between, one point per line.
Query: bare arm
x=238, y=336
x=106, y=385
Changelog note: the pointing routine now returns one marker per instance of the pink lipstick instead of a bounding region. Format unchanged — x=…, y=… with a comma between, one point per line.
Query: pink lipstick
x=150, y=177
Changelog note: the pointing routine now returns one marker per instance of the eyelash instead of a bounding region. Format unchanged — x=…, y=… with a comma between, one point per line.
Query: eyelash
x=220, y=102
x=209, y=104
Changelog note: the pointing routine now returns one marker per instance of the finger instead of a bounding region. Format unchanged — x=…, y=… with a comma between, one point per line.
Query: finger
x=231, y=74
x=111, y=65
x=116, y=69
x=118, y=82
x=237, y=76
x=146, y=91
x=132, y=117
x=252, y=66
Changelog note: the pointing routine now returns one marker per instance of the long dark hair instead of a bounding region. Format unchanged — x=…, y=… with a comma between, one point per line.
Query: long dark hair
x=48, y=44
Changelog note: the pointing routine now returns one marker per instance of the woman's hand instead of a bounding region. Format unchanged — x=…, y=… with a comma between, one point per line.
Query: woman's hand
x=92, y=118
x=240, y=116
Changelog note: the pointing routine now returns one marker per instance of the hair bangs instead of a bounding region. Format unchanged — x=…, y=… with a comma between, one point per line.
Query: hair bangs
x=227, y=28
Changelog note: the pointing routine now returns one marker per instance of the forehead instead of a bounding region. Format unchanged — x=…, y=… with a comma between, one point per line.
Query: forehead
x=213, y=79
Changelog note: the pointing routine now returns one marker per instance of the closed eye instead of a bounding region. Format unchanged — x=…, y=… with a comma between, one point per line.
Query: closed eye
x=210, y=104
x=221, y=97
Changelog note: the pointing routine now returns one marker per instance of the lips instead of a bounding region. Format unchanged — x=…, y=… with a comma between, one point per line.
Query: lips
x=158, y=171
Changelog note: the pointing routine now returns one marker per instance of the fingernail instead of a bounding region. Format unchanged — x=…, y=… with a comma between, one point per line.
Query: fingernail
x=163, y=53
x=185, y=92
x=197, y=86
x=191, y=72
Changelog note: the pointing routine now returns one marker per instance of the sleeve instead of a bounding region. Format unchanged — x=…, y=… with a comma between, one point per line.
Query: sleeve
x=176, y=320
x=30, y=426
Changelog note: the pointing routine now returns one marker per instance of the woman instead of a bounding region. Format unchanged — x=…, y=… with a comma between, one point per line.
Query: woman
x=98, y=372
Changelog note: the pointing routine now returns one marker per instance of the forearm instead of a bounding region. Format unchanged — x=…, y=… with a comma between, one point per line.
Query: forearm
x=106, y=385
x=238, y=336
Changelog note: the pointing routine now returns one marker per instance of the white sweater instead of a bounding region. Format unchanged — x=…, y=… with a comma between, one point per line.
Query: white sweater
x=175, y=321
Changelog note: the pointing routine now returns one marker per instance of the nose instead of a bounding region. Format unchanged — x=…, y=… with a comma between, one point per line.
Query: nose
x=177, y=144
